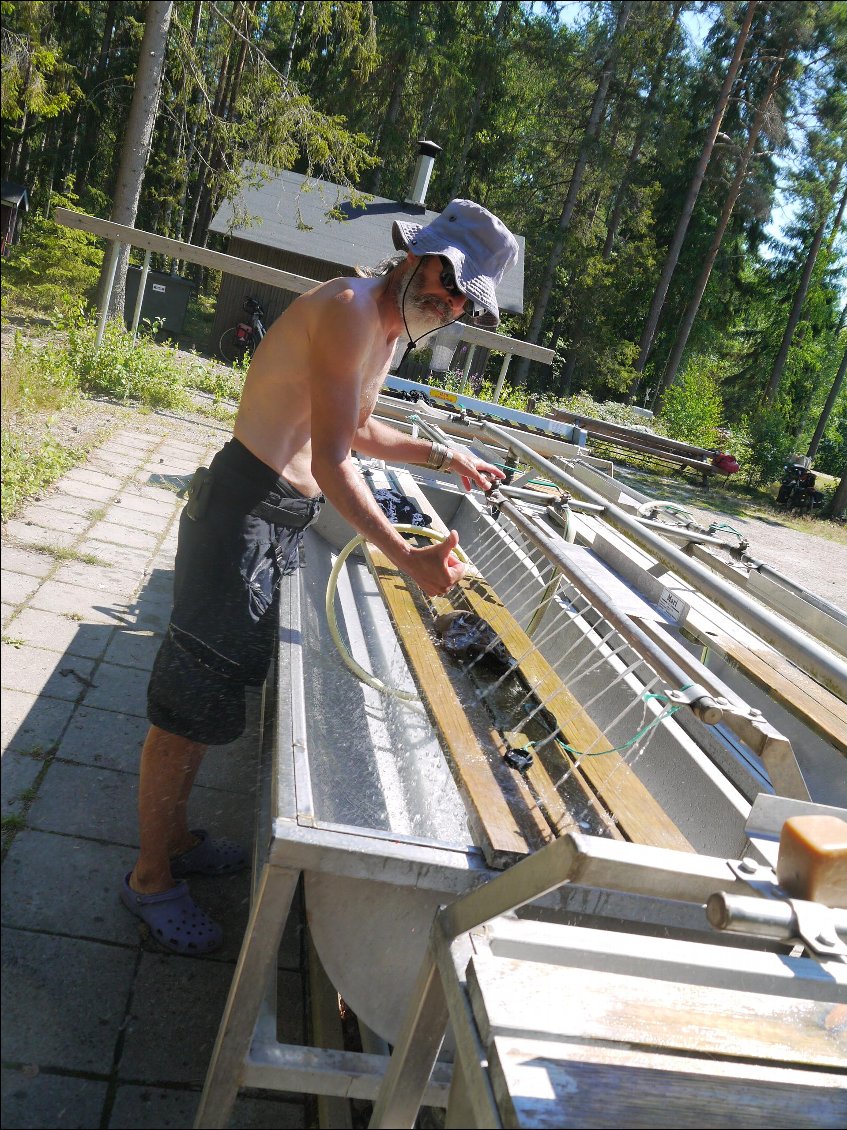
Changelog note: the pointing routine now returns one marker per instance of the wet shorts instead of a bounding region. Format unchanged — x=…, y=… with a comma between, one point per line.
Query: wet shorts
x=239, y=533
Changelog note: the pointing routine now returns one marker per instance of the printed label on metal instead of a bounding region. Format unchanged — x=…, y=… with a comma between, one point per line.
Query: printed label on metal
x=672, y=606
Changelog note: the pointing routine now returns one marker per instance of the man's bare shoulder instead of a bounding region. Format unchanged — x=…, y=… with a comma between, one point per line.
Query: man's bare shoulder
x=356, y=293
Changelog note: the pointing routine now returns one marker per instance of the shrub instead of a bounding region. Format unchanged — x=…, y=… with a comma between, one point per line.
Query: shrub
x=762, y=445
x=692, y=408
x=53, y=267
x=126, y=370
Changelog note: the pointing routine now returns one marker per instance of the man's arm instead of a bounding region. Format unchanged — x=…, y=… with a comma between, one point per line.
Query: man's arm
x=382, y=441
x=336, y=393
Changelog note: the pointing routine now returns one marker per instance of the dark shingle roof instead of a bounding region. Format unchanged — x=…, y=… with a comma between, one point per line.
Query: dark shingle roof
x=289, y=212
x=14, y=194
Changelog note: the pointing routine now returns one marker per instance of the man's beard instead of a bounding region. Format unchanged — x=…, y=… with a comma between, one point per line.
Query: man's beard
x=422, y=313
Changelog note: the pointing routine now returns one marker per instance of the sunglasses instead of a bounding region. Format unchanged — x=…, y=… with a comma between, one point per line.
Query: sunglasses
x=447, y=278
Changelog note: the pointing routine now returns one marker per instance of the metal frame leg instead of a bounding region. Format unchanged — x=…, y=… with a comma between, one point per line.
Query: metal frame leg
x=271, y=906
x=415, y=1052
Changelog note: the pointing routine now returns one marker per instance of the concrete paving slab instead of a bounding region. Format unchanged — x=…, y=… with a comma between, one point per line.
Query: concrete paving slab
x=85, y=474
x=65, y=885
x=149, y=1108
x=161, y=487
x=139, y=520
x=43, y=976
x=104, y=738
x=55, y=632
x=159, y=582
x=55, y=517
x=153, y=615
x=118, y=533
x=56, y=674
x=129, y=648
x=122, y=558
x=79, y=800
x=77, y=489
x=173, y=1019
x=33, y=722
x=122, y=689
x=7, y=611
x=19, y=560
x=104, y=577
x=122, y=466
x=86, y=605
x=19, y=587
x=176, y=1009
x=85, y=507
x=28, y=534
x=19, y=772
x=33, y=1100
x=130, y=503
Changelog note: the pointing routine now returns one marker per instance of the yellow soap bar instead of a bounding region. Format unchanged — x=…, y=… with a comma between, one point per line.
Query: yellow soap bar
x=812, y=861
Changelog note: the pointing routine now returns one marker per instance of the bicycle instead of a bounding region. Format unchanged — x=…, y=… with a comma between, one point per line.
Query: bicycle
x=242, y=340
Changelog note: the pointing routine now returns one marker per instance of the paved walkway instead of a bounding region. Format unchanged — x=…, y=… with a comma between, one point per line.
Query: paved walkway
x=100, y=1027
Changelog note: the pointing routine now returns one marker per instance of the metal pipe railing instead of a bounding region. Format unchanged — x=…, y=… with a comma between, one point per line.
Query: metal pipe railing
x=703, y=704
x=799, y=647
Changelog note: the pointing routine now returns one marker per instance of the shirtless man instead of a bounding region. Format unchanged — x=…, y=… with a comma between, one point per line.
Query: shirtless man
x=307, y=402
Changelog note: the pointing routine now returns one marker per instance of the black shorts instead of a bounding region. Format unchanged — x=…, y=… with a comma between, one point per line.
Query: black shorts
x=223, y=629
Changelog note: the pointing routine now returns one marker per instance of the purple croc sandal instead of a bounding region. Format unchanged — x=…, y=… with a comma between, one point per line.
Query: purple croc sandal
x=174, y=919
x=209, y=857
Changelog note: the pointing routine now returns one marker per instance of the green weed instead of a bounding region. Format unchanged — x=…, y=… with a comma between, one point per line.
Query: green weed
x=29, y=465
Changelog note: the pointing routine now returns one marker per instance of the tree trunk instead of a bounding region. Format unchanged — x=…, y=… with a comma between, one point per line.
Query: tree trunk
x=661, y=291
x=827, y=408
x=714, y=247
x=401, y=71
x=137, y=140
x=797, y=305
x=838, y=506
x=592, y=132
x=292, y=43
x=656, y=84
x=500, y=21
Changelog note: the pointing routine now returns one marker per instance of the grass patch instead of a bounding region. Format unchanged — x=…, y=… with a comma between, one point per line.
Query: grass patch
x=13, y=641
x=62, y=553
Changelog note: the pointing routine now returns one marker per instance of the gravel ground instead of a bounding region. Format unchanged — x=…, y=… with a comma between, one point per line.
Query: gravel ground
x=815, y=561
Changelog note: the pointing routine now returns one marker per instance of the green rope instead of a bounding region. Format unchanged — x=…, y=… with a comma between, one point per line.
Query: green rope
x=729, y=529
x=626, y=745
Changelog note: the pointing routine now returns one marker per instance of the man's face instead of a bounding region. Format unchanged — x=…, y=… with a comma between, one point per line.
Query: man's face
x=424, y=300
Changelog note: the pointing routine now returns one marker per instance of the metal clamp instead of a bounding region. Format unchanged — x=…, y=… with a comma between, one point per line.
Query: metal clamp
x=707, y=708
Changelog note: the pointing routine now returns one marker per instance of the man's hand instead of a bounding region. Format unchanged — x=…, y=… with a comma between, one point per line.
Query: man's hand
x=436, y=568
x=474, y=470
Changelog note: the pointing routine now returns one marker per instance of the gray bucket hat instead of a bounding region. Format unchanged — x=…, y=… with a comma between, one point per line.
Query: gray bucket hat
x=480, y=247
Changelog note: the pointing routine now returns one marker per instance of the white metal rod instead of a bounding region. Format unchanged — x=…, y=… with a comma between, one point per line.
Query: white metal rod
x=467, y=368
x=798, y=646
x=139, y=298
x=114, y=252
x=501, y=380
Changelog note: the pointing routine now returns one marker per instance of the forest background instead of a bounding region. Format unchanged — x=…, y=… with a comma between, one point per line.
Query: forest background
x=678, y=169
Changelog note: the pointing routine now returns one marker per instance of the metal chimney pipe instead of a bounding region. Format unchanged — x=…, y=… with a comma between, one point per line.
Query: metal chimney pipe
x=427, y=151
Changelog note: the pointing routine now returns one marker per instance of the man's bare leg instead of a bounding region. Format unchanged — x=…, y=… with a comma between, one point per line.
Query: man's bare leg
x=169, y=765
